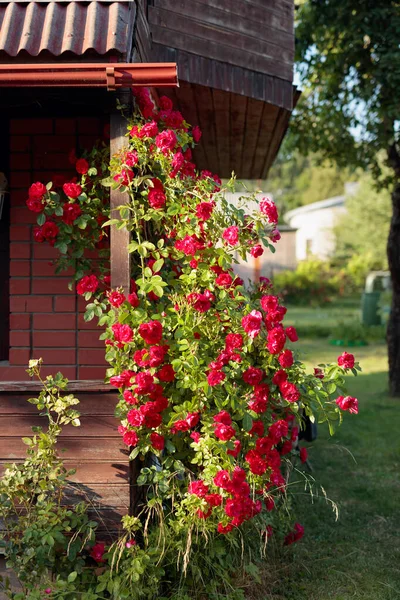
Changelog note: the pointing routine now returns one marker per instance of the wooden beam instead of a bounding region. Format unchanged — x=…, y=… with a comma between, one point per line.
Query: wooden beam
x=119, y=240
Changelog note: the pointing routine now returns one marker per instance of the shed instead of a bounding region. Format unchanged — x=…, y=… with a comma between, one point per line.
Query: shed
x=59, y=65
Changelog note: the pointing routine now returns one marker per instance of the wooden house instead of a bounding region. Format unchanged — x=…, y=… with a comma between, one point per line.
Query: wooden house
x=62, y=64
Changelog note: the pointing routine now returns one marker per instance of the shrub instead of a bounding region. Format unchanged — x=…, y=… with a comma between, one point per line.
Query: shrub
x=313, y=282
x=210, y=390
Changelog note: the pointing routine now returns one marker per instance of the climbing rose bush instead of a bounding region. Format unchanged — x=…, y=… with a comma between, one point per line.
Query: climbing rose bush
x=211, y=389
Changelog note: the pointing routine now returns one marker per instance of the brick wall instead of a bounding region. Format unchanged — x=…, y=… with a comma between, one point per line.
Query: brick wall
x=46, y=319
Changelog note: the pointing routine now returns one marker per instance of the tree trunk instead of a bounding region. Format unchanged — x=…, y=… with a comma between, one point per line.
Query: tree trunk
x=393, y=252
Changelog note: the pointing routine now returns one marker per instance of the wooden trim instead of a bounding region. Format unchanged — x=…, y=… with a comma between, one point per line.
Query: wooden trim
x=73, y=386
x=119, y=239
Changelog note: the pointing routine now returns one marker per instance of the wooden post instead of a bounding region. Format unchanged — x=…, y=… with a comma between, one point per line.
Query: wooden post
x=119, y=240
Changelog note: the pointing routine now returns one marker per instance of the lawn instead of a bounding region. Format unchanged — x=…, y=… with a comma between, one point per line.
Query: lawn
x=356, y=556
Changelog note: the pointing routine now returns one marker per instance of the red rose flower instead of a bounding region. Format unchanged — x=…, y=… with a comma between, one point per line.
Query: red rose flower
x=295, y=535
x=204, y=210
x=35, y=205
x=97, y=551
x=257, y=251
x=123, y=334
x=346, y=360
x=276, y=340
x=291, y=334
x=252, y=376
x=198, y=488
x=116, y=298
x=157, y=441
x=156, y=198
x=151, y=332
x=348, y=403
x=223, y=417
x=70, y=213
x=224, y=432
x=289, y=391
x=319, y=373
x=196, y=133
x=303, y=454
x=72, y=190
x=286, y=359
x=133, y=299
x=251, y=323
x=82, y=166
x=37, y=191
x=166, y=373
x=50, y=231
x=166, y=141
x=215, y=377
x=130, y=438
x=268, y=208
x=89, y=283
x=224, y=280
x=231, y=235
x=149, y=129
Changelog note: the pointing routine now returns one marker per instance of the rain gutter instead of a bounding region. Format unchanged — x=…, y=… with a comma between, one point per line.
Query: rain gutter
x=108, y=75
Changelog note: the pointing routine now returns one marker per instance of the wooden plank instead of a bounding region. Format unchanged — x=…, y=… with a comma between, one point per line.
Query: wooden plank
x=82, y=385
x=222, y=114
x=238, y=120
x=119, y=238
x=204, y=107
x=280, y=129
x=89, y=472
x=232, y=54
x=269, y=117
x=253, y=118
x=71, y=448
x=90, y=404
x=91, y=426
x=221, y=44
x=240, y=24
x=281, y=19
x=99, y=496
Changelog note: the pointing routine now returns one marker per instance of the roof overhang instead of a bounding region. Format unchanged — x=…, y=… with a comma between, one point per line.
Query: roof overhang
x=109, y=75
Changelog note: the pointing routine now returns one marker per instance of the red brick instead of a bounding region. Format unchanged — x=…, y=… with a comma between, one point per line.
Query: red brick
x=19, y=197
x=20, y=179
x=43, y=144
x=11, y=373
x=55, y=356
x=32, y=125
x=18, y=304
x=20, y=321
x=91, y=373
x=90, y=125
x=22, y=215
x=19, y=356
x=20, y=233
x=54, y=339
x=65, y=126
x=64, y=304
x=20, y=338
x=51, y=285
x=45, y=268
x=20, y=161
x=41, y=304
x=88, y=141
x=19, y=286
x=20, y=143
x=90, y=339
x=45, y=251
x=54, y=321
x=82, y=324
x=20, y=250
x=20, y=268
x=67, y=370
x=91, y=356
x=50, y=160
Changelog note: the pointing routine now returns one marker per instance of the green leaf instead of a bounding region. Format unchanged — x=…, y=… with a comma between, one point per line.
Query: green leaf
x=72, y=576
x=41, y=219
x=247, y=422
x=158, y=265
x=27, y=441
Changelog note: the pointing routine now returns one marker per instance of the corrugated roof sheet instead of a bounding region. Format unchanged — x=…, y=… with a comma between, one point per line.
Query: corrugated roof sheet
x=58, y=27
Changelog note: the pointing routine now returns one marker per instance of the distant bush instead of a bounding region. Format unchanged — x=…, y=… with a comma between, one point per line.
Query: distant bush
x=313, y=282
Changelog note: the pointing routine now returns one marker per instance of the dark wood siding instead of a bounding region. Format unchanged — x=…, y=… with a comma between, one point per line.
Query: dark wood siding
x=94, y=449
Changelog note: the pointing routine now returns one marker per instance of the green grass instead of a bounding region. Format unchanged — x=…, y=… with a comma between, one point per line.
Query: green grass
x=356, y=556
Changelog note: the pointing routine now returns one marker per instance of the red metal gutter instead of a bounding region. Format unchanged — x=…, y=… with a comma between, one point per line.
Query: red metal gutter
x=109, y=75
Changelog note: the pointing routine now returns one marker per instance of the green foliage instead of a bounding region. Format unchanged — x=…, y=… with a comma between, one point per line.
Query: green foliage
x=349, y=67
x=360, y=240
x=295, y=180
x=313, y=282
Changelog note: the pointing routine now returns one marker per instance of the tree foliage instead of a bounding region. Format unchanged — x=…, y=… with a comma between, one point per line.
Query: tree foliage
x=356, y=235
x=349, y=66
